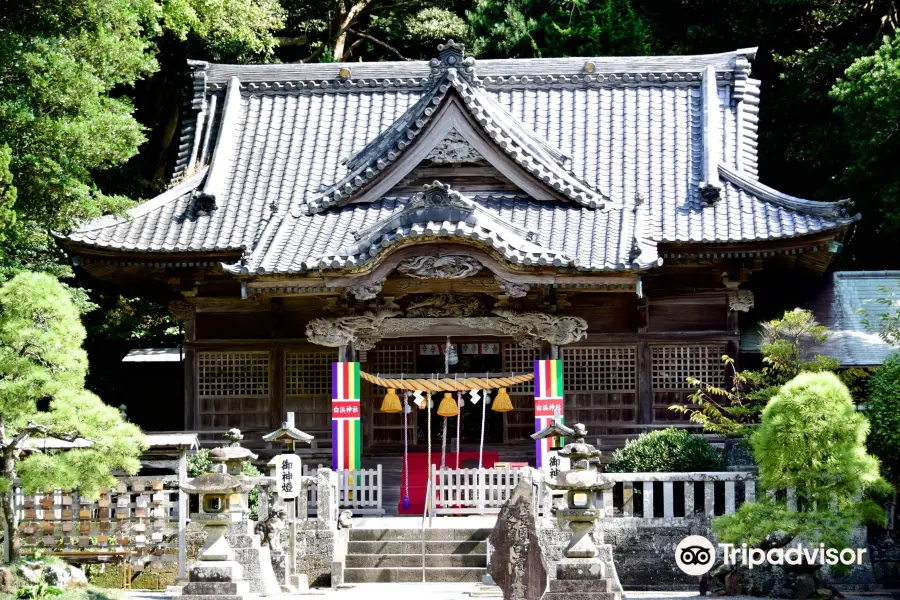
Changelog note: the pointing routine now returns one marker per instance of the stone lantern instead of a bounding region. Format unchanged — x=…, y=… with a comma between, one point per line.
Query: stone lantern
x=580, y=484
x=588, y=572
x=233, y=458
x=217, y=574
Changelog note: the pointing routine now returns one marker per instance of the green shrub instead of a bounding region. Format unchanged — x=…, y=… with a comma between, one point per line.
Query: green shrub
x=38, y=591
x=812, y=440
x=884, y=415
x=666, y=450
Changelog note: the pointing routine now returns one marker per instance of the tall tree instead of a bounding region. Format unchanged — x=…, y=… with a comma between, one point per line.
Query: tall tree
x=63, y=114
x=531, y=28
x=41, y=359
x=350, y=30
x=868, y=101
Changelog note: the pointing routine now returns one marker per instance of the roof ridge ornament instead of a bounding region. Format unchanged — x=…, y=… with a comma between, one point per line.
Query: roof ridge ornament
x=710, y=187
x=452, y=55
x=440, y=194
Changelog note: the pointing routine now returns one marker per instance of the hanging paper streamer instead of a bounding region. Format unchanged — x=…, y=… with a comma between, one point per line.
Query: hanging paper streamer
x=548, y=403
x=345, y=411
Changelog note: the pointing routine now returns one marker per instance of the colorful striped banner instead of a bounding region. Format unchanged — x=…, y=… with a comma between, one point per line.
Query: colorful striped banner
x=548, y=379
x=548, y=402
x=345, y=413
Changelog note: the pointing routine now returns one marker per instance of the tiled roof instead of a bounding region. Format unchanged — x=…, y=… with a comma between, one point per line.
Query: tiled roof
x=564, y=234
x=837, y=308
x=620, y=141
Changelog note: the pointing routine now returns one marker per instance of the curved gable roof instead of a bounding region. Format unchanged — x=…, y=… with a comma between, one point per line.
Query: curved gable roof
x=627, y=133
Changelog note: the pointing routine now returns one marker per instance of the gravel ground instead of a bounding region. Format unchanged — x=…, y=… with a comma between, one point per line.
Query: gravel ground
x=450, y=591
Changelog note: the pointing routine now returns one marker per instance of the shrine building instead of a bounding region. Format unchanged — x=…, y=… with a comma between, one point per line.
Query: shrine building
x=605, y=212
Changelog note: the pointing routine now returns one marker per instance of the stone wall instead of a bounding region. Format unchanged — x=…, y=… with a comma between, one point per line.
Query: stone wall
x=316, y=543
x=644, y=554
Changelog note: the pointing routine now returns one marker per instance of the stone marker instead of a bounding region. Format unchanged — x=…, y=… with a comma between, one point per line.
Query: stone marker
x=516, y=564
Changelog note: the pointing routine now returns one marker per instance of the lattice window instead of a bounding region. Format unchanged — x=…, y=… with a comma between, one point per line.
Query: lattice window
x=307, y=389
x=308, y=373
x=672, y=365
x=599, y=368
x=233, y=389
x=519, y=360
x=391, y=358
x=233, y=373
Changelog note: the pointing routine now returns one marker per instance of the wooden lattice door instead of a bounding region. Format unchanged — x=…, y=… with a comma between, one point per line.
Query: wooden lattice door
x=673, y=366
x=233, y=390
x=395, y=358
x=307, y=391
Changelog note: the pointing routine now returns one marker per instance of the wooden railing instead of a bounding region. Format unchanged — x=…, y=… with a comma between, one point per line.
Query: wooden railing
x=358, y=491
x=472, y=491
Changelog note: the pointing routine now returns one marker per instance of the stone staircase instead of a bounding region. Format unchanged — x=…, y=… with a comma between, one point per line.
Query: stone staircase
x=395, y=555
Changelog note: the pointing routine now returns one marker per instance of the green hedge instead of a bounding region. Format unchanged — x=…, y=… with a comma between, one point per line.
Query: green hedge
x=666, y=451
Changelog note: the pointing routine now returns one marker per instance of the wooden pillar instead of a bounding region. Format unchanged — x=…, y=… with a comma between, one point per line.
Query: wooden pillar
x=184, y=312
x=276, y=387
x=547, y=350
x=346, y=353
x=182, y=515
x=645, y=383
x=732, y=348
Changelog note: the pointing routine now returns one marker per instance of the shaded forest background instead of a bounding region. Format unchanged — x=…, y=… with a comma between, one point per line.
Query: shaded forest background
x=91, y=93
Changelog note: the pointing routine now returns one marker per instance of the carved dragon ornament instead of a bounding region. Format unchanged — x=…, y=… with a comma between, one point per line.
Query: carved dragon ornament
x=365, y=330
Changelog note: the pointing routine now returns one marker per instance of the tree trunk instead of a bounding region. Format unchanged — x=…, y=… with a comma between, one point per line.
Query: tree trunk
x=11, y=542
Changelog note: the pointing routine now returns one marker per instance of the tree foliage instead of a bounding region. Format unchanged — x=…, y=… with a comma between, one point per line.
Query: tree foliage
x=884, y=415
x=786, y=346
x=42, y=394
x=667, y=450
x=811, y=440
x=868, y=101
x=63, y=116
x=885, y=322
x=530, y=28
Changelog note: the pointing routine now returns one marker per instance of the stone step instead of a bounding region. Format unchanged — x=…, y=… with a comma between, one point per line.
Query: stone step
x=413, y=575
x=398, y=547
x=560, y=585
x=581, y=596
x=382, y=561
x=437, y=535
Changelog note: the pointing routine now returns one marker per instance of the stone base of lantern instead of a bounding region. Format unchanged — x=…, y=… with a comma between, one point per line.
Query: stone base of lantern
x=217, y=580
x=255, y=558
x=581, y=579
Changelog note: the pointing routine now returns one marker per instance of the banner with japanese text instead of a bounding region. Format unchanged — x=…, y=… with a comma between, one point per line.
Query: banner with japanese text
x=548, y=405
x=345, y=413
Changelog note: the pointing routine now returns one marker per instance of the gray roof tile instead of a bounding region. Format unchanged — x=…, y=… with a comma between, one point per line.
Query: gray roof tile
x=286, y=137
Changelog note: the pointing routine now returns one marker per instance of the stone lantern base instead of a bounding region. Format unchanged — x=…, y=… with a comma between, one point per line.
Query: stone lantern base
x=581, y=579
x=217, y=580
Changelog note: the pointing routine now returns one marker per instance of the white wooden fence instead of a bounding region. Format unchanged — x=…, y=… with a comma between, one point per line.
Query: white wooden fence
x=670, y=496
x=358, y=491
x=472, y=491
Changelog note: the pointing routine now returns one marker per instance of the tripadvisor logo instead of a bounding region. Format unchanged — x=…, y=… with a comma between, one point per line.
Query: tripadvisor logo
x=696, y=555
